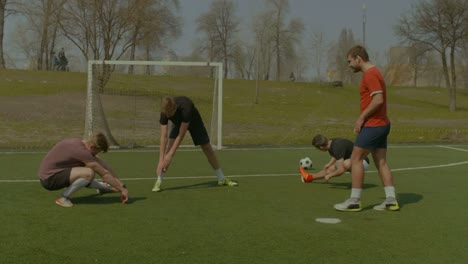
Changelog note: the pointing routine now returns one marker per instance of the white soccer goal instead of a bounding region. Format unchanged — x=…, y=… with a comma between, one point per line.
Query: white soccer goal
x=123, y=98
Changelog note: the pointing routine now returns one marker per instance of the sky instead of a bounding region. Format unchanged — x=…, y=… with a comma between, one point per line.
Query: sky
x=326, y=16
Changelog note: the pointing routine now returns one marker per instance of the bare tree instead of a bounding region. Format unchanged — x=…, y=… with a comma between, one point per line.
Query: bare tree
x=285, y=37
x=2, y=30
x=264, y=47
x=152, y=22
x=7, y=8
x=41, y=19
x=100, y=29
x=3, y=15
x=337, y=56
x=419, y=60
x=220, y=26
x=318, y=48
x=442, y=25
x=464, y=64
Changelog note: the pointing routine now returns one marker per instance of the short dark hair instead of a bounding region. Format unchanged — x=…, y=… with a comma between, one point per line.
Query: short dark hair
x=360, y=51
x=320, y=141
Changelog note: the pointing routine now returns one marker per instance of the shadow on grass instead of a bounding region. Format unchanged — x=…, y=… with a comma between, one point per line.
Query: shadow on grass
x=98, y=199
x=346, y=185
x=193, y=186
x=403, y=199
x=408, y=198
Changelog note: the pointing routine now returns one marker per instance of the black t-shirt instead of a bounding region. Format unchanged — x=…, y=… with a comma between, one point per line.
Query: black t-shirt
x=186, y=112
x=342, y=148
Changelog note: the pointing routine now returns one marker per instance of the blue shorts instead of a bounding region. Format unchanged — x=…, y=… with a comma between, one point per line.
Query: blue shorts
x=372, y=138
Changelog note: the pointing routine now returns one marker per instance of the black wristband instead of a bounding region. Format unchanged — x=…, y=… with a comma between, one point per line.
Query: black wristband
x=124, y=186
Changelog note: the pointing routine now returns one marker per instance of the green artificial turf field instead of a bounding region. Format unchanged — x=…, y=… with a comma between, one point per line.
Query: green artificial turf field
x=269, y=218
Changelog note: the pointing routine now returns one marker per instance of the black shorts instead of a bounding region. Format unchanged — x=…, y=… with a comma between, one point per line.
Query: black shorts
x=57, y=181
x=197, y=131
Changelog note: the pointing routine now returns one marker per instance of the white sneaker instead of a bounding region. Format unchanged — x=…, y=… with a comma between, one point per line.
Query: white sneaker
x=157, y=186
x=64, y=202
x=350, y=205
x=107, y=188
x=390, y=204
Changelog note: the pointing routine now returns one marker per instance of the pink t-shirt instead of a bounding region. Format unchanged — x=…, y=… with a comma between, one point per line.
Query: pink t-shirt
x=68, y=153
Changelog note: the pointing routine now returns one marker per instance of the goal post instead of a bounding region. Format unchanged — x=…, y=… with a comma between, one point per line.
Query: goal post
x=113, y=95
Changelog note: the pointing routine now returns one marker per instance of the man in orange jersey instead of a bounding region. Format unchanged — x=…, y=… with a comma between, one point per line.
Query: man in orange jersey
x=372, y=128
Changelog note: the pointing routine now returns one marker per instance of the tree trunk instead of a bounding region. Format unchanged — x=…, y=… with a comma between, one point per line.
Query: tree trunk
x=43, y=58
x=133, y=48
x=446, y=74
x=453, y=86
x=2, y=29
x=101, y=83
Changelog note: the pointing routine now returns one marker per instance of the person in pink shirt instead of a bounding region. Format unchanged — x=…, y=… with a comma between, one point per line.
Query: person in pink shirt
x=72, y=164
x=372, y=128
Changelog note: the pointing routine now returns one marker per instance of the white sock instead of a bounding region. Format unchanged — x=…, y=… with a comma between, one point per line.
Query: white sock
x=356, y=193
x=160, y=177
x=389, y=191
x=219, y=174
x=96, y=185
x=75, y=186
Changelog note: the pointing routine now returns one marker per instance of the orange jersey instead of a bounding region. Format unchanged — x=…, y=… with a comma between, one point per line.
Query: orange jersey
x=372, y=83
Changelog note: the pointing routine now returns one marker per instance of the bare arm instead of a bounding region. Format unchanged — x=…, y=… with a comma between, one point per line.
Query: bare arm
x=330, y=163
x=162, y=149
x=109, y=178
x=340, y=169
x=377, y=101
x=171, y=152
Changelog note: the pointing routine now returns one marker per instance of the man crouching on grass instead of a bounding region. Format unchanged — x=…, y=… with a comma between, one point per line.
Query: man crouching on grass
x=72, y=164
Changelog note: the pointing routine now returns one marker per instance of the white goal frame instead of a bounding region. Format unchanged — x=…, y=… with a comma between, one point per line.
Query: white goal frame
x=218, y=89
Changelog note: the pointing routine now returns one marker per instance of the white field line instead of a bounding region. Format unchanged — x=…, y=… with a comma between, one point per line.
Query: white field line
x=188, y=149
x=450, y=147
x=260, y=175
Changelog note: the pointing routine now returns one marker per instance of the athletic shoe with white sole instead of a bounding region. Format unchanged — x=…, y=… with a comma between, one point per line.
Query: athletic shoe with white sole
x=350, y=205
x=390, y=204
x=227, y=182
x=107, y=188
x=157, y=186
x=64, y=202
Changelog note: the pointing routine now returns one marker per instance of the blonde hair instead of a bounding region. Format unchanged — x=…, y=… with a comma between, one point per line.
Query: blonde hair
x=168, y=106
x=99, y=141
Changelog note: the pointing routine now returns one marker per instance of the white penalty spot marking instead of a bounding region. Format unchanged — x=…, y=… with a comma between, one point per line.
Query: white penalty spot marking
x=327, y=220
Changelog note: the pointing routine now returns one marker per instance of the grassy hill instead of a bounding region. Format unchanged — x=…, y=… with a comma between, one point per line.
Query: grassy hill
x=39, y=108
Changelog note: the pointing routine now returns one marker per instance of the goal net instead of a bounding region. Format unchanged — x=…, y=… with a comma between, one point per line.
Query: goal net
x=124, y=97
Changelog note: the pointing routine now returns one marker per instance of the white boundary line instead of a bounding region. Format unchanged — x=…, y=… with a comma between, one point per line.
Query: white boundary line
x=259, y=175
x=262, y=175
x=449, y=147
x=188, y=149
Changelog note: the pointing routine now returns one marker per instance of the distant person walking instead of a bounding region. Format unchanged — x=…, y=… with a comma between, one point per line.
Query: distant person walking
x=372, y=128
